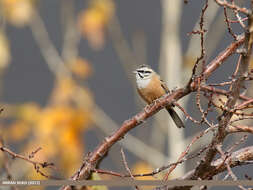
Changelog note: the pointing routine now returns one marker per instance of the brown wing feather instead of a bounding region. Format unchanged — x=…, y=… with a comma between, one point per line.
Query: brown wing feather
x=164, y=86
x=177, y=120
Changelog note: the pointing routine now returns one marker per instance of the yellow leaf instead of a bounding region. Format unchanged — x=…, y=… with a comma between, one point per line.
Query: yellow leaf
x=17, y=12
x=107, y=7
x=81, y=67
x=4, y=51
x=59, y=132
x=141, y=168
x=92, y=22
x=68, y=92
x=96, y=16
x=61, y=118
x=71, y=141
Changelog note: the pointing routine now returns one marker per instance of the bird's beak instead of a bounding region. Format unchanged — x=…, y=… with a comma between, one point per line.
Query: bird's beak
x=135, y=72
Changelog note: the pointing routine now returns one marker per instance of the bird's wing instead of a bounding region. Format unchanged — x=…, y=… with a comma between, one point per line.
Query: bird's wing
x=166, y=89
x=164, y=86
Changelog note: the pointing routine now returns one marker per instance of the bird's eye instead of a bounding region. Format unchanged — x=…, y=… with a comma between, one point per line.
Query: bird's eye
x=141, y=71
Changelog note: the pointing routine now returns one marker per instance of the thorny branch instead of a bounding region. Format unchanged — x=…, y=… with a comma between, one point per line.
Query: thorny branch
x=228, y=24
x=126, y=166
x=94, y=157
x=232, y=6
x=205, y=170
x=225, y=160
x=6, y=166
x=238, y=158
x=37, y=165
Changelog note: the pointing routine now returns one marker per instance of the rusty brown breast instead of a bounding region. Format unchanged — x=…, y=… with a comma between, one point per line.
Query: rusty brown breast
x=153, y=90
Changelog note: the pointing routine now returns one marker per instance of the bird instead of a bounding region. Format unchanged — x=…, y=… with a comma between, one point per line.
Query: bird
x=150, y=87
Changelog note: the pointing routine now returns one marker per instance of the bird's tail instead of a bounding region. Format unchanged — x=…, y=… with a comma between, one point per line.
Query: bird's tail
x=179, y=123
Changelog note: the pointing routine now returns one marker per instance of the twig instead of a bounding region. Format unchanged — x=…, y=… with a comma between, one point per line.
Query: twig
x=183, y=154
x=237, y=21
x=99, y=152
x=224, y=3
x=220, y=84
x=223, y=56
x=154, y=172
x=226, y=116
x=243, y=139
x=230, y=172
x=228, y=24
x=15, y=155
x=238, y=158
x=210, y=20
x=244, y=105
x=126, y=166
x=203, y=113
x=36, y=164
x=239, y=128
x=239, y=119
x=34, y=152
x=201, y=32
x=205, y=169
x=187, y=115
x=6, y=166
x=206, y=88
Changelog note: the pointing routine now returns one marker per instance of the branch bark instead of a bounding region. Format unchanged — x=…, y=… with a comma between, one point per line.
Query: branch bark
x=238, y=158
x=93, y=158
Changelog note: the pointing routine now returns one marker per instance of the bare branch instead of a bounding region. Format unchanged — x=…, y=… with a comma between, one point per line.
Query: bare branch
x=37, y=165
x=238, y=158
x=126, y=166
x=239, y=128
x=224, y=3
x=93, y=158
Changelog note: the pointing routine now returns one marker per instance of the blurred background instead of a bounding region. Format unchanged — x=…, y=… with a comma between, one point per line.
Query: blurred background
x=66, y=80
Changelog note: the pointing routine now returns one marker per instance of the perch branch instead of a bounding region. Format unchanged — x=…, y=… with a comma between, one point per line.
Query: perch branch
x=93, y=158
